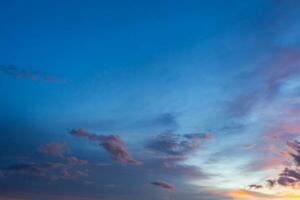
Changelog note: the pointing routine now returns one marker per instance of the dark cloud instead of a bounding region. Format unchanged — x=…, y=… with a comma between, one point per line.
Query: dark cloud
x=271, y=183
x=295, y=146
x=176, y=147
x=198, y=136
x=111, y=143
x=256, y=187
x=163, y=185
x=19, y=73
x=290, y=176
x=167, y=151
x=54, y=149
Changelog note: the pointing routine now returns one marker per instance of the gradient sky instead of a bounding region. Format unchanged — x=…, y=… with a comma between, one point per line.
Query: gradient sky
x=166, y=100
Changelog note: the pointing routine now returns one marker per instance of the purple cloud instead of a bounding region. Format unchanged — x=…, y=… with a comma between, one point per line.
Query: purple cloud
x=115, y=147
x=54, y=149
x=290, y=176
x=111, y=143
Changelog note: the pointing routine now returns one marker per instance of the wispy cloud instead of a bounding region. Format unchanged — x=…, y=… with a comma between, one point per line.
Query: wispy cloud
x=164, y=185
x=176, y=147
x=167, y=153
x=19, y=73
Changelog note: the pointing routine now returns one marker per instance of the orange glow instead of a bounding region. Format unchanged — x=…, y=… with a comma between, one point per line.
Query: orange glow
x=239, y=194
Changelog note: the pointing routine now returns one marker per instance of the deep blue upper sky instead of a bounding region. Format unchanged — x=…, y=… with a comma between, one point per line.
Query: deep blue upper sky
x=151, y=73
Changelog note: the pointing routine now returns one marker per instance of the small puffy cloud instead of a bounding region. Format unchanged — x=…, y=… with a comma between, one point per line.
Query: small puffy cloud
x=111, y=143
x=256, y=187
x=163, y=185
x=54, y=149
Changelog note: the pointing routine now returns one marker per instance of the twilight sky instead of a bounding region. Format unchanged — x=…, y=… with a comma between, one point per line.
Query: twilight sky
x=152, y=100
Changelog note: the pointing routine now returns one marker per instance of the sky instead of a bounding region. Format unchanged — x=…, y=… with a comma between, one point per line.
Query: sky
x=160, y=99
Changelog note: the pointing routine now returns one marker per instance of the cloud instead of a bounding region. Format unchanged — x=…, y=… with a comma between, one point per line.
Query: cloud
x=72, y=160
x=167, y=152
x=198, y=136
x=290, y=176
x=14, y=71
x=54, y=149
x=254, y=186
x=115, y=147
x=111, y=143
x=70, y=169
x=271, y=183
x=163, y=185
x=263, y=84
x=176, y=147
x=295, y=146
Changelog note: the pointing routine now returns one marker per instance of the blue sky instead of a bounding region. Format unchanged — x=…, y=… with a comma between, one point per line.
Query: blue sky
x=112, y=100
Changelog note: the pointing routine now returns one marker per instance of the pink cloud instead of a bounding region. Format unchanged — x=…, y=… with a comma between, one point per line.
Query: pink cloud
x=111, y=143
x=54, y=149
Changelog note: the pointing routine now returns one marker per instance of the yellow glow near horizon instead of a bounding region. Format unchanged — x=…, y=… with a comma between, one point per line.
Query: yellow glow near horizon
x=248, y=195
